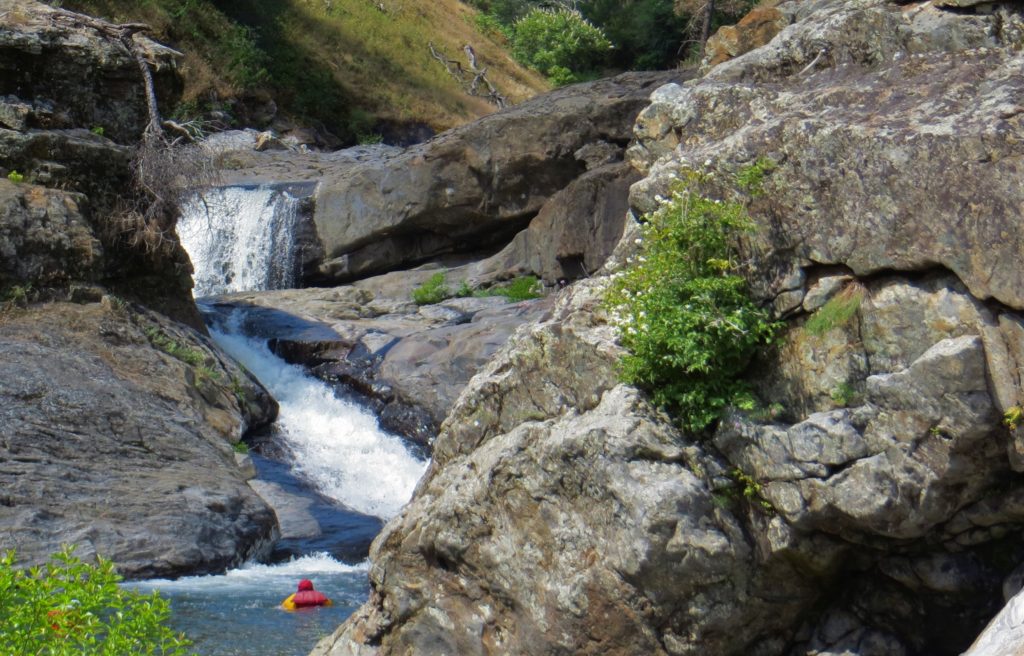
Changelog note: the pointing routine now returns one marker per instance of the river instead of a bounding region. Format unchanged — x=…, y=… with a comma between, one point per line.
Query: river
x=330, y=454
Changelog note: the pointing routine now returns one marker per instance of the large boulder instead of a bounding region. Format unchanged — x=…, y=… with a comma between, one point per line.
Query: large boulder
x=57, y=72
x=897, y=149
x=116, y=423
x=117, y=432
x=872, y=507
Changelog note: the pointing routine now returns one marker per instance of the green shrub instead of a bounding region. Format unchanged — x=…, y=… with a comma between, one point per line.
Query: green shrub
x=559, y=43
x=432, y=291
x=240, y=447
x=71, y=608
x=684, y=313
x=845, y=395
x=837, y=311
x=97, y=130
x=14, y=176
x=520, y=289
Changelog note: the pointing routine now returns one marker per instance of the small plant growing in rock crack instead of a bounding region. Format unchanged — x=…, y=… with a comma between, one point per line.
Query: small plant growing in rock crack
x=191, y=356
x=523, y=288
x=751, y=178
x=68, y=607
x=837, y=311
x=18, y=296
x=1013, y=417
x=434, y=290
x=683, y=310
x=14, y=176
x=744, y=488
x=844, y=395
x=240, y=447
x=239, y=390
x=97, y=130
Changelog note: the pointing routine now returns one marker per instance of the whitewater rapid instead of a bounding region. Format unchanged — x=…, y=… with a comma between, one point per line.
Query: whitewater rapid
x=336, y=445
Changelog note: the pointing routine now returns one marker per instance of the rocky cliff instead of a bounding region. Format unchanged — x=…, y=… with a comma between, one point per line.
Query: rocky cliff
x=116, y=421
x=879, y=511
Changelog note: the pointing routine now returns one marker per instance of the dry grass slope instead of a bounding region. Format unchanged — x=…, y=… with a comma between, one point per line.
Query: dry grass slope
x=346, y=63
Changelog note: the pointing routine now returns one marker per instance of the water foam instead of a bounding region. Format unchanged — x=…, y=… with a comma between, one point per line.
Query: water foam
x=240, y=239
x=280, y=576
x=336, y=445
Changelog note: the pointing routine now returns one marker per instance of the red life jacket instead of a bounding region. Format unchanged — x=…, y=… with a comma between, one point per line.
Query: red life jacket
x=306, y=598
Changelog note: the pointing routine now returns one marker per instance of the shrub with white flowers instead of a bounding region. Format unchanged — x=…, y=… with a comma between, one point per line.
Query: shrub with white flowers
x=684, y=313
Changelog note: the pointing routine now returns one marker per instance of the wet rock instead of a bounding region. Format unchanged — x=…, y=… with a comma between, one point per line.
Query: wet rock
x=122, y=448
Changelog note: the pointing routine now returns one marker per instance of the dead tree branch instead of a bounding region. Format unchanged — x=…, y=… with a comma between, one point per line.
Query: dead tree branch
x=471, y=77
x=167, y=167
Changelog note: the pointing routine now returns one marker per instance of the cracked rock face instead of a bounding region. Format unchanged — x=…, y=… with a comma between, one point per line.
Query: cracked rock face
x=122, y=449
x=878, y=510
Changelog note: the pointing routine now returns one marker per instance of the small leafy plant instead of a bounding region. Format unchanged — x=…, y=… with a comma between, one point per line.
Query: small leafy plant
x=240, y=447
x=17, y=295
x=844, y=395
x=751, y=178
x=837, y=311
x=191, y=356
x=434, y=290
x=684, y=312
x=68, y=608
x=14, y=176
x=97, y=130
x=520, y=289
x=1013, y=417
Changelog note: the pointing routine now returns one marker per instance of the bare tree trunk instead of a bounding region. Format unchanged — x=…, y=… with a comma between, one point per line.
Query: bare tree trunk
x=705, y=30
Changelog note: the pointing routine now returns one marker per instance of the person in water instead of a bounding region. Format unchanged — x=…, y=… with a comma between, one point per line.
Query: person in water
x=306, y=597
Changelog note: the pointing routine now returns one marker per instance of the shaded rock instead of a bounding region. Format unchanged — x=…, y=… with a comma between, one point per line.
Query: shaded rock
x=1005, y=633
x=124, y=449
x=572, y=236
x=71, y=76
x=44, y=236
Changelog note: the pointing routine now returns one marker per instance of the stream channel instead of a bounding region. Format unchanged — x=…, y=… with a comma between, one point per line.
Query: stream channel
x=326, y=458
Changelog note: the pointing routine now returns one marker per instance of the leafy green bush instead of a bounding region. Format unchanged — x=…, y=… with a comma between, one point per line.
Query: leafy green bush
x=556, y=41
x=434, y=290
x=71, y=608
x=14, y=176
x=683, y=312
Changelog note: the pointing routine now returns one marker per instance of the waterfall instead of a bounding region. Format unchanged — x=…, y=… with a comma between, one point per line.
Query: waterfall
x=241, y=239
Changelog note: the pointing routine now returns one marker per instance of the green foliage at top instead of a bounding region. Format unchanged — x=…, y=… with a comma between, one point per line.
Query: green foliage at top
x=434, y=290
x=683, y=311
x=70, y=608
x=647, y=35
x=837, y=311
x=559, y=43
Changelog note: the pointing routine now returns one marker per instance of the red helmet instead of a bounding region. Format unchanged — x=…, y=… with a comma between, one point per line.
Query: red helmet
x=305, y=584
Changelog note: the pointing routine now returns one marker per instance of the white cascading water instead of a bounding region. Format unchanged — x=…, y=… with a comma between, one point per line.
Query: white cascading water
x=240, y=239
x=336, y=445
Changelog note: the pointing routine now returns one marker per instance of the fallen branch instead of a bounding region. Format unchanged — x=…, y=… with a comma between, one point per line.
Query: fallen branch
x=471, y=85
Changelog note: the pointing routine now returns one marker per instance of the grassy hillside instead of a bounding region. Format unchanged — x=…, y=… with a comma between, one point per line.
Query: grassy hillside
x=351, y=65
